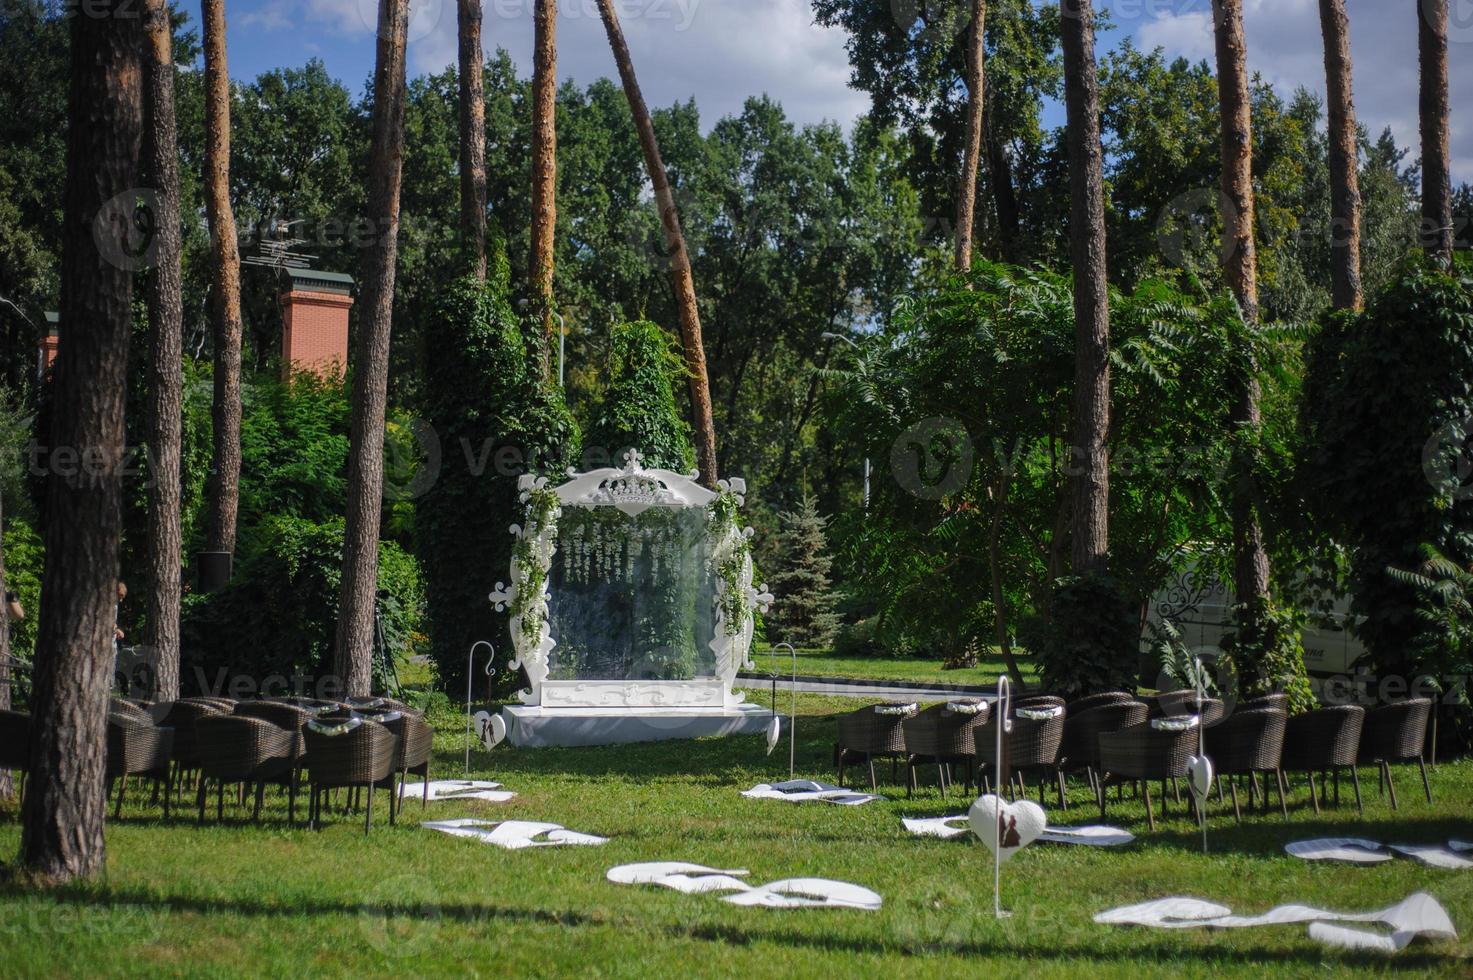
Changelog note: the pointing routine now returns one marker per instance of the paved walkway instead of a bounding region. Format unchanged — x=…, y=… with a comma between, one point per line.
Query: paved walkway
x=874, y=690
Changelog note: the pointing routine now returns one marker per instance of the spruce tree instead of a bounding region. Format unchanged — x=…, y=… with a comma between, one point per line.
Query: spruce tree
x=804, y=613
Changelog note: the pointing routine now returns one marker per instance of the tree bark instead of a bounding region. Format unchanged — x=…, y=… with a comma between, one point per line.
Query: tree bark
x=544, y=175
x=7, y=787
x=166, y=354
x=681, y=277
x=1000, y=179
x=1091, y=454
x=1345, y=202
x=354, y=660
x=472, y=137
x=1240, y=269
x=62, y=820
x=966, y=199
x=1437, y=187
x=224, y=495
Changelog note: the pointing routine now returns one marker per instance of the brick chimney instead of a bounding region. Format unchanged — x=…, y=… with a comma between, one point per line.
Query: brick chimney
x=314, y=307
x=48, y=347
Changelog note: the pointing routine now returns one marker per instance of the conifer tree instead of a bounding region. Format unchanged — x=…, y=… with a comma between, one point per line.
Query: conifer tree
x=804, y=615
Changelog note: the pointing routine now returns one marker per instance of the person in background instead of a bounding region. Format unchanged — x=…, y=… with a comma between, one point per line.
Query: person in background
x=13, y=609
x=117, y=613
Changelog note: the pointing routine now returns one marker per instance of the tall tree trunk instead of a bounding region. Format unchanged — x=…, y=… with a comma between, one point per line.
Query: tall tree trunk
x=966, y=198
x=7, y=787
x=166, y=354
x=62, y=820
x=1344, y=158
x=1000, y=179
x=224, y=496
x=680, y=270
x=1240, y=269
x=472, y=137
x=1091, y=462
x=1437, y=187
x=354, y=663
x=544, y=175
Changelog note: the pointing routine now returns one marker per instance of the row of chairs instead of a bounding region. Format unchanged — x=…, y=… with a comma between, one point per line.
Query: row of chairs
x=357, y=745
x=1110, y=740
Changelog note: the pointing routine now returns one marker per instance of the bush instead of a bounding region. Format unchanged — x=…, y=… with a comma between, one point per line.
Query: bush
x=278, y=617
x=1268, y=654
x=1090, y=641
x=25, y=558
x=639, y=410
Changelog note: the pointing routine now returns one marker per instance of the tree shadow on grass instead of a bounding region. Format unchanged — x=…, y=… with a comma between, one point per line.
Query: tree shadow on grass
x=398, y=918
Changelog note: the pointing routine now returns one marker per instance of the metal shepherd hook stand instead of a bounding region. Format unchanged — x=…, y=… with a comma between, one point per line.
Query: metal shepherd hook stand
x=1004, y=728
x=793, y=714
x=1201, y=801
x=470, y=677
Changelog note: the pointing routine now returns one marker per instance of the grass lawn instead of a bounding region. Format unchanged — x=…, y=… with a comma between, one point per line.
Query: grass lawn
x=823, y=663
x=239, y=899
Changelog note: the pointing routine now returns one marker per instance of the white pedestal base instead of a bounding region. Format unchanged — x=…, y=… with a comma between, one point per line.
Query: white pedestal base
x=538, y=728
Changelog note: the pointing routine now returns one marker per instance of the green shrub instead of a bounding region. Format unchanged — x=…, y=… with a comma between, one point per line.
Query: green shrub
x=25, y=559
x=639, y=410
x=1089, y=642
x=278, y=617
x=1268, y=654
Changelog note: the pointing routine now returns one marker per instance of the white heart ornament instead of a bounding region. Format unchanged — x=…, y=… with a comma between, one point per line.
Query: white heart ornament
x=492, y=728
x=774, y=733
x=1200, y=774
x=1016, y=824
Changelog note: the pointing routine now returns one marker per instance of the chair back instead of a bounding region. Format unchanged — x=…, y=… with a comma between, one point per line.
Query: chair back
x=1247, y=741
x=939, y=732
x=1143, y=752
x=872, y=733
x=182, y=717
x=136, y=745
x=1276, y=701
x=1328, y=738
x=1082, y=730
x=1081, y=705
x=353, y=753
x=237, y=747
x=284, y=716
x=1031, y=743
x=1396, y=732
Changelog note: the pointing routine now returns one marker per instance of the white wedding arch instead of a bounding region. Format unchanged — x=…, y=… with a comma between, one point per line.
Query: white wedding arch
x=632, y=607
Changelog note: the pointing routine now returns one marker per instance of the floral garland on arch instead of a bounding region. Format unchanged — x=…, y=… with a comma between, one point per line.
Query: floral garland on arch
x=738, y=601
x=531, y=570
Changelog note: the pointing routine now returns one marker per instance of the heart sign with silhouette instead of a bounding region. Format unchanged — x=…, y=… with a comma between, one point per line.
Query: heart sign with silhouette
x=1006, y=828
x=1200, y=774
x=491, y=728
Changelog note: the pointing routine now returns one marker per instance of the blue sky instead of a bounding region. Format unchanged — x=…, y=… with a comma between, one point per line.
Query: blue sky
x=722, y=51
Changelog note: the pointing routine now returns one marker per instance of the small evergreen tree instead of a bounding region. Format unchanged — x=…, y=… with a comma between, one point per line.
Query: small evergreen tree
x=804, y=613
x=639, y=410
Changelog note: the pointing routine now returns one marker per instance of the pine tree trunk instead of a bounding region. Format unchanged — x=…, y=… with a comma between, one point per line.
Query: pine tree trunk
x=7, y=786
x=1000, y=179
x=966, y=199
x=1240, y=269
x=680, y=269
x=224, y=495
x=1437, y=187
x=544, y=176
x=165, y=373
x=354, y=663
x=472, y=137
x=1345, y=200
x=1091, y=463
x=62, y=819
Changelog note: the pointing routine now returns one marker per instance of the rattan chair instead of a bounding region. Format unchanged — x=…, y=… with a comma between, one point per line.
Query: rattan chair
x=1141, y=754
x=1277, y=702
x=1080, y=749
x=866, y=735
x=1396, y=733
x=15, y=745
x=944, y=737
x=1174, y=704
x=354, y=753
x=1325, y=741
x=291, y=719
x=137, y=747
x=1247, y=743
x=1080, y=705
x=236, y=749
x=415, y=745
x=1032, y=748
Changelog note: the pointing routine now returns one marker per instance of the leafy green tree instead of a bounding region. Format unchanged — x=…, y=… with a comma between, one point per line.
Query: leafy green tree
x=804, y=614
x=639, y=411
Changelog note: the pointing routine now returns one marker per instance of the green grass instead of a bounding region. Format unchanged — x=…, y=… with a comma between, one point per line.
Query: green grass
x=823, y=663
x=239, y=899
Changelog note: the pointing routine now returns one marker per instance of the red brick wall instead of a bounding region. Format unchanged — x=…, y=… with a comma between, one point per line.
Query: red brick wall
x=315, y=332
x=49, y=347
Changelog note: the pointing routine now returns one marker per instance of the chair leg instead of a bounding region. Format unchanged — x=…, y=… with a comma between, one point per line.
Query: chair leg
x=1426, y=786
x=122, y=791
x=368, y=811
x=200, y=798
x=873, y=786
x=1146, y=792
x=260, y=795
x=1063, y=800
x=1314, y=796
x=1279, y=782
x=291, y=798
x=1355, y=778
x=393, y=804
x=1337, y=787
x=941, y=775
x=1237, y=811
x=220, y=801
x=1102, y=797
x=1390, y=786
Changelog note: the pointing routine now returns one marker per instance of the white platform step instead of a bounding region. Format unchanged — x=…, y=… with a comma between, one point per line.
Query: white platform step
x=536, y=727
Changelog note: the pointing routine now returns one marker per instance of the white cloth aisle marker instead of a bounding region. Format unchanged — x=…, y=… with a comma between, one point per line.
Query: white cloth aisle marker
x=514, y=835
x=456, y=789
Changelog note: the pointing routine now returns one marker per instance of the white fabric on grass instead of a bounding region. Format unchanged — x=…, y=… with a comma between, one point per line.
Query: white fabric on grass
x=514, y=835
x=457, y=789
x=808, y=791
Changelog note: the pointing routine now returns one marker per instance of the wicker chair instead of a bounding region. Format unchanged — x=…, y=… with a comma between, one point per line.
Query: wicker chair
x=944, y=737
x=1080, y=749
x=1142, y=753
x=1080, y=705
x=1396, y=733
x=1247, y=743
x=239, y=749
x=1177, y=703
x=15, y=744
x=1325, y=741
x=291, y=719
x=1032, y=748
x=866, y=735
x=1277, y=702
x=356, y=754
x=414, y=749
x=137, y=747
